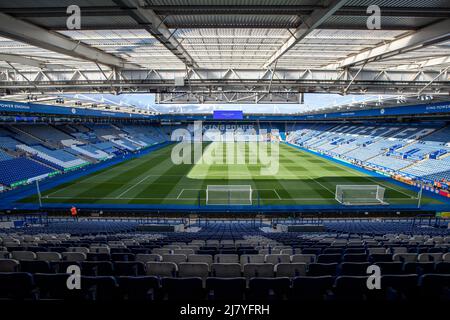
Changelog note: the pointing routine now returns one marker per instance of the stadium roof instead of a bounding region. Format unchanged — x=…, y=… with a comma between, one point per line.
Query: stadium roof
x=236, y=52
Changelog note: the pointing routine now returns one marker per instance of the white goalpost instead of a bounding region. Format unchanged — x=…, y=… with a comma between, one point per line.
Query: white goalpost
x=360, y=194
x=229, y=195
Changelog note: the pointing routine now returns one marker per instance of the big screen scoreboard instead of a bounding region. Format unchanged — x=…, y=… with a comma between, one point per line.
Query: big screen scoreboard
x=228, y=115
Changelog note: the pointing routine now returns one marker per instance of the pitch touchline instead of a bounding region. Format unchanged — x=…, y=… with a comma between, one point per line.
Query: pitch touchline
x=187, y=199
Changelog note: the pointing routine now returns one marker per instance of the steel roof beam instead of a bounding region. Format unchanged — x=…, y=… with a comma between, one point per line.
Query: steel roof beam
x=316, y=18
x=151, y=22
x=26, y=32
x=432, y=34
x=26, y=61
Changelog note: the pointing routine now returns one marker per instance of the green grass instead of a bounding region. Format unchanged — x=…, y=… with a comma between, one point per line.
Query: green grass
x=302, y=179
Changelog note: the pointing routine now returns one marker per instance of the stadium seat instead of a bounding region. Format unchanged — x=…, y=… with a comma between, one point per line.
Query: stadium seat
x=35, y=266
x=143, y=288
x=183, y=251
x=193, y=269
x=175, y=258
x=74, y=256
x=48, y=256
x=162, y=269
x=435, y=287
x=182, y=289
x=23, y=255
x=322, y=269
x=53, y=286
x=303, y=258
x=144, y=257
x=380, y=257
x=4, y=255
x=329, y=258
x=269, y=288
x=9, y=265
x=376, y=250
x=129, y=268
x=122, y=257
x=100, y=288
x=399, y=287
x=252, y=258
x=226, y=288
x=418, y=267
x=351, y=288
x=405, y=257
x=430, y=257
x=78, y=249
x=97, y=268
x=277, y=258
x=442, y=267
x=257, y=270
x=354, y=258
x=290, y=270
x=200, y=258
x=354, y=268
x=391, y=267
x=98, y=256
x=226, y=270
x=226, y=258
x=312, y=288
x=17, y=286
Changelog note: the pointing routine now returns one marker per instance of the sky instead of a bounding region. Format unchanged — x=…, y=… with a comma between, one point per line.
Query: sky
x=312, y=102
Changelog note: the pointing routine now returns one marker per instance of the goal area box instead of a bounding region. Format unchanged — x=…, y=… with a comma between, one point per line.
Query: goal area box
x=229, y=195
x=360, y=195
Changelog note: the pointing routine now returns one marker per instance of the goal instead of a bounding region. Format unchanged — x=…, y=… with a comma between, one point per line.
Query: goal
x=360, y=194
x=229, y=195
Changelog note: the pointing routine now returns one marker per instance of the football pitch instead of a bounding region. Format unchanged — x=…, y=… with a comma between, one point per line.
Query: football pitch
x=302, y=179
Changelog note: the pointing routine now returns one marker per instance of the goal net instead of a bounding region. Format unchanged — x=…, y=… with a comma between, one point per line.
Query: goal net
x=229, y=195
x=360, y=194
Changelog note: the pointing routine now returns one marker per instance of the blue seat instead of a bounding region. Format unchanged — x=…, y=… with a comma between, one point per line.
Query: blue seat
x=129, y=268
x=226, y=288
x=333, y=251
x=351, y=288
x=380, y=257
x=329, y=258
x=120, y=250
x=442, y=267
x=354, y=257
x=354, y=268
x=141, y=288
x=61, y=266
x=97, y=268
x=312, y=250
x=182, y=289
x=312, y=288
x=269, y=288
x=418, y=267
x=391, y=267
x=17, y=286
x=322, y=269
x=54, y=286
x=91, y=256
x=122, y=257
x=435, y=287
x=399, y=287
x=35, y=266
x=101, y=288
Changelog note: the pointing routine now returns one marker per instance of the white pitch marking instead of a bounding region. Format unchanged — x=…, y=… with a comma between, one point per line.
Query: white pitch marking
x=132, y=187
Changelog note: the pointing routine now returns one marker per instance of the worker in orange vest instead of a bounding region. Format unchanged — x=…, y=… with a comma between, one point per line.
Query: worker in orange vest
x=74, y=213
